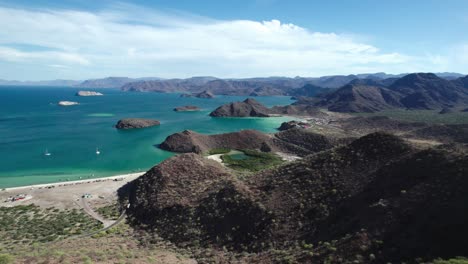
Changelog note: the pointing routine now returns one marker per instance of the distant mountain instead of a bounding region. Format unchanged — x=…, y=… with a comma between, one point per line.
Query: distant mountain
x=40, y=83
x=193, y=84
x=428, y=91
x=359, y=98
x=413, y=91
x=449, y=75
x=111, y=82
x=307, y=90
x=247, y=87
x=333, y=81
x=463, y=81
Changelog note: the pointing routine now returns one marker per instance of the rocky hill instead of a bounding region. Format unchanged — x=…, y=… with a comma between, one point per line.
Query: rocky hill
x=359, y=98
x=248, y=107
x=190, y=141
x=375, y=200
x=252, y=108
x=427, y=91
x=299, y=142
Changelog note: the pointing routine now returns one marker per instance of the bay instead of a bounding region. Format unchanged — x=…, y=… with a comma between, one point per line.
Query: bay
x=31, y=122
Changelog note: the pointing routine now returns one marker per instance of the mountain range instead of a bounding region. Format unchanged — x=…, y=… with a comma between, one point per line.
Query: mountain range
x=412, y=91
x=262, y=85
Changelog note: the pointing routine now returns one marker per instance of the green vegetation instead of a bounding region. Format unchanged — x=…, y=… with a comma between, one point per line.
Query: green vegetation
x=27, y=224
x=110, y=212
x=218, y=151
x=457, y=260
x=117, y=245
x=256, y=160
x=6, y=259
x=428, y=116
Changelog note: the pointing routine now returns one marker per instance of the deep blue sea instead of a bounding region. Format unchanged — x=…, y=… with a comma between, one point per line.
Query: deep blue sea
x=31, y=122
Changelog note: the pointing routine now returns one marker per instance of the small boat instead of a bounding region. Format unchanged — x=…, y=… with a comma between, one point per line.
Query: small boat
x=47, y=153
x=97, y=151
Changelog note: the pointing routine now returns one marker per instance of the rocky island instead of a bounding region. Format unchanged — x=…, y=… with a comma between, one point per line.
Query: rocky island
x=131, y=123
x=252, y=108
x=204, y=94
x=88, y=93
x=67, y=103
x=187, y=108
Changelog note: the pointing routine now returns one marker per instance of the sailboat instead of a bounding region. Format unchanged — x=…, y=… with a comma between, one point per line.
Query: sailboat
x=47, y=153
x=97, y=151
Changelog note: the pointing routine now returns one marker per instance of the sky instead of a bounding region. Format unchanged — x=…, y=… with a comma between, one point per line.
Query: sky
x=71, y=39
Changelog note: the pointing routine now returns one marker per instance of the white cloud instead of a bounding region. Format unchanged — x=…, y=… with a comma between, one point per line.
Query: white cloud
x=10, y=54
x=132, y=41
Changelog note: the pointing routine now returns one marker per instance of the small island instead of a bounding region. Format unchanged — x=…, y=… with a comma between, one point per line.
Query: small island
x=131, y=123
x=205, y=95
x=67, y=103
x=88, y=93
x=187, y=108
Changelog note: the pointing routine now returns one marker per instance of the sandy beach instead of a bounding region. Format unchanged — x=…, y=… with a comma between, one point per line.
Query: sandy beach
x=64, y=195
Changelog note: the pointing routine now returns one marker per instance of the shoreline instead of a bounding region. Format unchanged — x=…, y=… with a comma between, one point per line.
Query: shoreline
x=119, y=177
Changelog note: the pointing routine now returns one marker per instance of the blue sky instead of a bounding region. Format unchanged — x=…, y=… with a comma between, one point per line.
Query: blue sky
x=90, y=39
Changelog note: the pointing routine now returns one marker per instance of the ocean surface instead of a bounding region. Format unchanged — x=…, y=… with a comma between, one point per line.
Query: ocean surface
x=31, y=122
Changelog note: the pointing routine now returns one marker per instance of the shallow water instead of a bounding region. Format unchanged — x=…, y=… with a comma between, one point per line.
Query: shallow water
x=31, y=122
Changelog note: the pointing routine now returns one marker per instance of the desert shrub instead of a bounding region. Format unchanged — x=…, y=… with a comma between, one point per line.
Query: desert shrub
x=6, y=259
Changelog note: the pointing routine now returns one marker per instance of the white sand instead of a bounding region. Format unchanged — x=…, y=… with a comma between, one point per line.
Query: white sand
x=65, y=194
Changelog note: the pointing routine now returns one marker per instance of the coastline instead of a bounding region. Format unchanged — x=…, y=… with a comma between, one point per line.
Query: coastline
x=119, y=177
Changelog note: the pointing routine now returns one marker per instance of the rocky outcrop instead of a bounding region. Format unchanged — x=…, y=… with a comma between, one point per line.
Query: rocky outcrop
x=130, y=123
x=292, y=124
x=187, y=108
x=88, y=93
x=298, y=142
x=248, y=108
x=204, y=94
x=252, y=108
x=190, y=141
x=67, y=103
x=299, y=110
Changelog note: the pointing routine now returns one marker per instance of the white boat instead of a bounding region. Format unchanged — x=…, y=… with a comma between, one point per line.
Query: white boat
x=97, y=151
x=47, y=153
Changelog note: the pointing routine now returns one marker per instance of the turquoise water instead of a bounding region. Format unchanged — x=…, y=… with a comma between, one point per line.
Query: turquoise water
x=31, y=122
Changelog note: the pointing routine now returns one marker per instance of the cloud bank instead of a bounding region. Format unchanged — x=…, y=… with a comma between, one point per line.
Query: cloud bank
x=130, y=41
